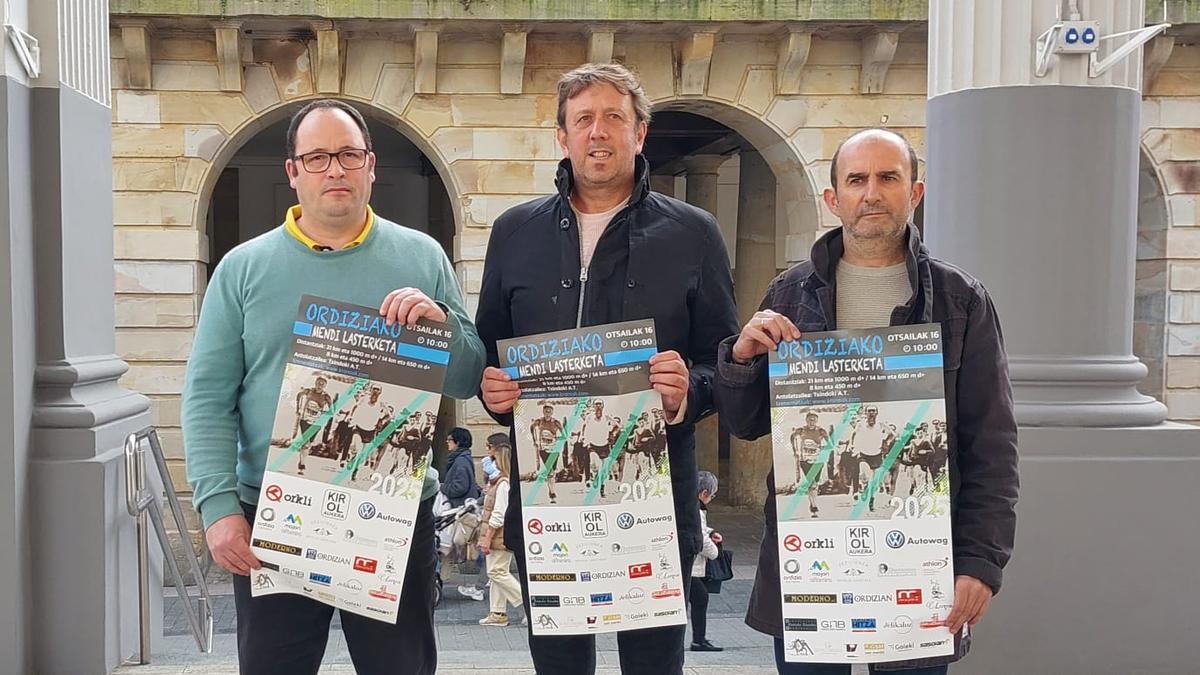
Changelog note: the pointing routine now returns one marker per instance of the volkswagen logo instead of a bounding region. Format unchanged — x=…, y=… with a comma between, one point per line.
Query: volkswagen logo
x=895, y=539
x=366, y=510
x=625, y=521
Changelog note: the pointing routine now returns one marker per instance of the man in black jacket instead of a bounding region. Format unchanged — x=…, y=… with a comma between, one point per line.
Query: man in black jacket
x=459, y=485
x=605, y=249
x=872, y=272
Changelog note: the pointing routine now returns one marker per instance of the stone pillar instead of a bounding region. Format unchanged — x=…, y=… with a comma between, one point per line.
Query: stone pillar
x=1033, y=189
x=702, y=192
x=1018, y=181
x=66, y=542
x=750, y=461
x=663, y=183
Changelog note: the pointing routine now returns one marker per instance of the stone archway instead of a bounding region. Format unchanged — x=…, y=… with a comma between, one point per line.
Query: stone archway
x=1151, y=278
x=776, y=217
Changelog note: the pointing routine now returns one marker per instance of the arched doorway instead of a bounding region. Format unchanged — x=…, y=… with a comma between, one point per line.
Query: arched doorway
x=747, y=174
x=247, y=193
x=1151, y=279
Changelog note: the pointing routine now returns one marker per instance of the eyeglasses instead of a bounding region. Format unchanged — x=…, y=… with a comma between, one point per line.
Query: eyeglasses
x=316, y=162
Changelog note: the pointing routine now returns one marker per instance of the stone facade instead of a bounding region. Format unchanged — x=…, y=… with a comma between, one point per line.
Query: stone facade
x=478, y=99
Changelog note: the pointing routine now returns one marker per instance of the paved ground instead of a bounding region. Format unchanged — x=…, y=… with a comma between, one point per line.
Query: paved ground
x=466, y=647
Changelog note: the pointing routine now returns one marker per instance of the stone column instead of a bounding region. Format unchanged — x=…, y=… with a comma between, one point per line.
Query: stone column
x=750, y=461
x=1033, y=189
x=663, y=183
x=702, y=192
x=66, y=542
x=1021, y=180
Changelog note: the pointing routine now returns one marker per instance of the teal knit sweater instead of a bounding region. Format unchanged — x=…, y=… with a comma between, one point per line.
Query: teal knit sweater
x=242, y=344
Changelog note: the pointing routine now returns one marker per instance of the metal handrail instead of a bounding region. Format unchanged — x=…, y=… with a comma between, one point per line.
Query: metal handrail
x=139, y=500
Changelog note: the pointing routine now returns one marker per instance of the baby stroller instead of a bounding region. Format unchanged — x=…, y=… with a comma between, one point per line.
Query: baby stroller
x=454, y=530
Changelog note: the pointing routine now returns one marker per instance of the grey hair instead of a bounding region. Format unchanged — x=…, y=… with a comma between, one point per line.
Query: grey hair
x=620, y=77
x=706, y=482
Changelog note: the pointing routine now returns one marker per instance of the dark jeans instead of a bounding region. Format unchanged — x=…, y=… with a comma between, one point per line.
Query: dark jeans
x=699, y=603
x=649, y=651
x=285, y=634
x=786, y=668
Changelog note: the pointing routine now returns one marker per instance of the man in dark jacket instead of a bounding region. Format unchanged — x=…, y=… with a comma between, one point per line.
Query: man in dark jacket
x=605, y=249
x=460, y=484
x=873, y=272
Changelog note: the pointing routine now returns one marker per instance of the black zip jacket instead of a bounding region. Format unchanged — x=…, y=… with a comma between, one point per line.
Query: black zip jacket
x=658, y=258
x=979, y=409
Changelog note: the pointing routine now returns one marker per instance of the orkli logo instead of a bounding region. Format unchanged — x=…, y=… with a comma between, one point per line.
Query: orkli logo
x=276, y=493
x=794, y=543
x=895, y=539
x=625, y=521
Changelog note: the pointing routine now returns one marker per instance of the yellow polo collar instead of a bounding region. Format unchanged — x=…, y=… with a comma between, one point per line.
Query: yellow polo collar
x=293, y=214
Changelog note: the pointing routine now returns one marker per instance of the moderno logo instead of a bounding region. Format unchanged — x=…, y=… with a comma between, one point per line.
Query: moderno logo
x=811, y=598
x=552, y=576
x=276, y=546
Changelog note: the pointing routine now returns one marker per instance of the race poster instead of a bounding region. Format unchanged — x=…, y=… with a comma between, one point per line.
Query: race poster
x=863, y=495
x=348, y=455
x=601, y=545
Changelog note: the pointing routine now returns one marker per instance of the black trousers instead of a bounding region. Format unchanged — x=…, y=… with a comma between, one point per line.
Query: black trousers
x=699, y=604
x=649, y=651
x=285, y=634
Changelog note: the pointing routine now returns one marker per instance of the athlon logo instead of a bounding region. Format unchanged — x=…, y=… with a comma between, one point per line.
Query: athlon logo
x=895, y=539
x=800, y=625
x=367, y=565
x=908, y=596
x=625, y=521
x=276, y=494
x=932, y=566
x=366, y=510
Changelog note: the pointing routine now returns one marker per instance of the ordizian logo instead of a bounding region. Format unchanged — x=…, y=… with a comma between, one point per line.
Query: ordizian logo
x=895, y=539
x=366, y=510
x=625, y=521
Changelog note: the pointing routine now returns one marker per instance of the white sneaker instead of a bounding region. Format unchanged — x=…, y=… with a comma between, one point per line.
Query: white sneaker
x=471, y=592
x=493, y=619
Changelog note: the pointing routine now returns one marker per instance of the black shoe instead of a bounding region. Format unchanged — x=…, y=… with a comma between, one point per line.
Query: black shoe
x=706, y=646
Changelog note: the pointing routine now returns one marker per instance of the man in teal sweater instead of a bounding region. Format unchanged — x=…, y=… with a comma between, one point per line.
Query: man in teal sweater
x=331, y=245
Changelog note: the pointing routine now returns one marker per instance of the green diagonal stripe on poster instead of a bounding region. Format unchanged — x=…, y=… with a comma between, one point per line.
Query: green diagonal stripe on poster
x=559, y=443
x=616, y=450
x=820, y=461
x=317, y=424
x=379, y=438
x=886, y=465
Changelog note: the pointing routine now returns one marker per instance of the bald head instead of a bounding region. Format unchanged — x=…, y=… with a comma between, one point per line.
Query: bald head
x=872, y=137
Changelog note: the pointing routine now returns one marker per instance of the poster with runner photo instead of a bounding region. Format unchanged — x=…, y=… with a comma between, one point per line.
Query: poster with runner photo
x=349, y=450
x=862, y=492
x=602, y=553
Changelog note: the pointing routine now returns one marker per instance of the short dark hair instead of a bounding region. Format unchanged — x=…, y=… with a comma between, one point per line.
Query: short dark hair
x=912, y=154
x=461, y=437
x=325, y=104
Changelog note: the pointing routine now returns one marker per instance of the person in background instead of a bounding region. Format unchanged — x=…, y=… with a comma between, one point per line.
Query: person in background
x=460, y=484
x=503, y=587
x=707, y=484
x=490, y=474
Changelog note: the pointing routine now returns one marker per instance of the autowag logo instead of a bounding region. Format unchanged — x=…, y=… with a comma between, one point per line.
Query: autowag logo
x=277, y=494
x=366, y=510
